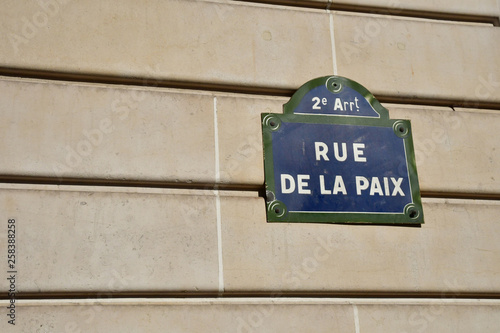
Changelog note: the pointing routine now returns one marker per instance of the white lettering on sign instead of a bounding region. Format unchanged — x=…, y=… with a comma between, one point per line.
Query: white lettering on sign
x=336, y=152
x=300, y=183
x=316, y=101
x=374, y=186
x=356, y=147
x=363, y=183
x=284, y=188
x=338, y=104
x=321, y=151
x=322, y=185
x=288, y=184
x=346, y=105
x=338, y=186
x=397, y=187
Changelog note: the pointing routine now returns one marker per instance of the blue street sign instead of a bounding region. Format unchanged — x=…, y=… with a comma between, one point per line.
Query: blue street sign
x=335, y=156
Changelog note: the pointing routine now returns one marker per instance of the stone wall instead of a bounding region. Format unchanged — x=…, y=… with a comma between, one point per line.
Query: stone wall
x=132, y=164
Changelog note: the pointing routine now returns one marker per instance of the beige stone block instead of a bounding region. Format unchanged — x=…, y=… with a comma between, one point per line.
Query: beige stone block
x=240, y=136
x=202, y=315
x=214, y=42
x=89, y=240
x=422, y=59
x=104, y=240
x=438, y=316
x=455, y=251
x=455, y=151
x=57, y=129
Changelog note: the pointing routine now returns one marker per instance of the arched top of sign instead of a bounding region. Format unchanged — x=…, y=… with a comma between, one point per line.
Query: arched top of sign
x=335, y=96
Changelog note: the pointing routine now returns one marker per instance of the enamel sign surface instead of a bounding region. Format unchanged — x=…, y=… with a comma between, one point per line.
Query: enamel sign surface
x=334, y=156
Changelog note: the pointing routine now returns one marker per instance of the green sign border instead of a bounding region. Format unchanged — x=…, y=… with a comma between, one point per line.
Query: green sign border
x=277, y=212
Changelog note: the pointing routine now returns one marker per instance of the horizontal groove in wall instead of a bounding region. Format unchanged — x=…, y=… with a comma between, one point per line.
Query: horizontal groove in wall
x=128, y=183
x=254, y=294
x=453, y=195
x=140, y=81
x=202, y=186
x=383, y=11
x=223, y=88
x=416, y=100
